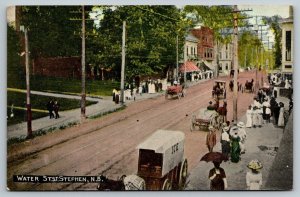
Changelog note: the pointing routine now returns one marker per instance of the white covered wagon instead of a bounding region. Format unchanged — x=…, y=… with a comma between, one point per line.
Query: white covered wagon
x=161, y=161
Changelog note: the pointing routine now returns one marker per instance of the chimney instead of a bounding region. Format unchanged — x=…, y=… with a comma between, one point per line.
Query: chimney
x=291, y=12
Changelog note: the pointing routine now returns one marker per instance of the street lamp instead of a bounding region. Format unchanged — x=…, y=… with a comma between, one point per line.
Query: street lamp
x=28, y=105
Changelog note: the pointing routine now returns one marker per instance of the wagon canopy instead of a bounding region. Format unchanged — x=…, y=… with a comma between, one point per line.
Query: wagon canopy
x=168, y=143
x=162, y=140
x=189, y=66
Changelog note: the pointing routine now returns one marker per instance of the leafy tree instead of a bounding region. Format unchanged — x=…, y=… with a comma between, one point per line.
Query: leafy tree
x=52, y=32
x=150, y=38
x=274, y=24
x=15, y=71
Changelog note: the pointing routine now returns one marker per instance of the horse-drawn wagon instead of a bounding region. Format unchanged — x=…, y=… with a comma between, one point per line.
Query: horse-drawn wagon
x=249, y=86
x=219, y=89
x=161, y=161
x=203, y=118
x=175, y=90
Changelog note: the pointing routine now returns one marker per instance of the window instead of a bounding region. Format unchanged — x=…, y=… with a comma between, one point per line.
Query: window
x=288, y=45
x=288, y=66
x=187, y=51
x=226, y=66
x=192, y=51
x=220, y=66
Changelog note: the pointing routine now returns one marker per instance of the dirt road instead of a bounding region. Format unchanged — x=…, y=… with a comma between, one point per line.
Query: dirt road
x=108, y=145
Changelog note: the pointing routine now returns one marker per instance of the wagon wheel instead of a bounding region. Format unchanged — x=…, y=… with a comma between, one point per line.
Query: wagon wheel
x=183, y=174
x=192, y=127
x=166, y=185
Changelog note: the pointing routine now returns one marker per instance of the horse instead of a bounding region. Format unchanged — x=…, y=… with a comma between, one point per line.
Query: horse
x=222, y=111
x=249, y=85
x=111, y=185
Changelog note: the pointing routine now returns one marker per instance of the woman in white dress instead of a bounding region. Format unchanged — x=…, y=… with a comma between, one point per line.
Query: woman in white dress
x=254, y=177
x=249, y=115
x=281, y=117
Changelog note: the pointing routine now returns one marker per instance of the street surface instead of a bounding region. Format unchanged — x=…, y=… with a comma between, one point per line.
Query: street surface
x=108, y=145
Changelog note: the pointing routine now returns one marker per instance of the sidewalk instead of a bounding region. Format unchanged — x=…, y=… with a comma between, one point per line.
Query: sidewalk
x=103, y=106
x=264, y=144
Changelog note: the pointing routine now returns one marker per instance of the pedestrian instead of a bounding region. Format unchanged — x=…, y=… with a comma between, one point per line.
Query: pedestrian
x=249, y=115
x=235, y=145
x=254, y=177
x=225, y=141
x=243, y=135
x=281, y=115
x=56, y=109
x=217, y=178
x=260, y=116
x=211, y=138
x=291, y=105
x=50, y=108
x=114, y=94
x=276, y=113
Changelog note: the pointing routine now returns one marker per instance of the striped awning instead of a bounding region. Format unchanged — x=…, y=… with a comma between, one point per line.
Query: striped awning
x=188, y=66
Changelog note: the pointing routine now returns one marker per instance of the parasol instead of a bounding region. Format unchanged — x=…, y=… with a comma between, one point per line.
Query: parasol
x=214, y=157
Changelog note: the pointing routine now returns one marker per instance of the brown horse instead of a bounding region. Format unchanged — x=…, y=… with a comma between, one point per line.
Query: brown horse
x=111, y=185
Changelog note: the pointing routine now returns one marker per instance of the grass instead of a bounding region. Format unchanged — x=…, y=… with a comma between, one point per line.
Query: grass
x=72, y=86
x=39, y=102
x=39, y=132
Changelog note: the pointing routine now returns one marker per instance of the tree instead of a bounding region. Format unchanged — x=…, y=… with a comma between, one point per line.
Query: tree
x=150, y=38
x=52, y=33
x=15, y=71
x=217, y=18
x=274, y=24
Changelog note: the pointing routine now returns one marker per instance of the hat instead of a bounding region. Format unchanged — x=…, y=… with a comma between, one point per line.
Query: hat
x=175, y=82
x=241, y=124
x=210, y=127
x=224, y=124
x=255, y=164
x=225, y=129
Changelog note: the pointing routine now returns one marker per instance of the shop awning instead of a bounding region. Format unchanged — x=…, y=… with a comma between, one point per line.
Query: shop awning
x=188, y=66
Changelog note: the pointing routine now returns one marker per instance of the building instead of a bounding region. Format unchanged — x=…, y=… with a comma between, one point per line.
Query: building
x=225, y=58
x=205, y=48
x=287, y=26
x=190, y=47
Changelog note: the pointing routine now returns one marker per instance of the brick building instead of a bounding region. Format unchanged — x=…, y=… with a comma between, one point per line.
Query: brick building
x=66, y=67
x=205, y=47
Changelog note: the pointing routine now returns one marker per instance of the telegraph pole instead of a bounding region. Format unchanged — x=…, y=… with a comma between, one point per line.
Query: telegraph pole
x=123, y=62
x=28, y=105
x=83, y=115
x=235, y=63
x=177, y=57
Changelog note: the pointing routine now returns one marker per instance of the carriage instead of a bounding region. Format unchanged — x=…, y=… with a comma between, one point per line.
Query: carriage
x=175, y=90
x=203, y=118
x=219, y=89
x=161, y=161
x=249, y=86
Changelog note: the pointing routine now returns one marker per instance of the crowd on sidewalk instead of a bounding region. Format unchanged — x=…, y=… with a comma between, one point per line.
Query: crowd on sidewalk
x=266, y=109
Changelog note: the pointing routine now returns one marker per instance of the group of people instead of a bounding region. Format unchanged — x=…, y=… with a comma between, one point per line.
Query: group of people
x=232, y=140
x=218, y=181
x=264, y=108
x=53, y=106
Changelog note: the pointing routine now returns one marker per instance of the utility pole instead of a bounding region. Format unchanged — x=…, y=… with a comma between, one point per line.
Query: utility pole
x=123, y=62
x=177, y=57
x=28, y=105
x=235, y=63
x=83, y=115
